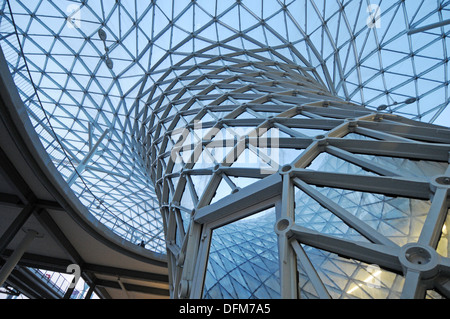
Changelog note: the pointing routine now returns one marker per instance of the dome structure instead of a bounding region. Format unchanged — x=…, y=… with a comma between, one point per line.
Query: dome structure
x=193, y=128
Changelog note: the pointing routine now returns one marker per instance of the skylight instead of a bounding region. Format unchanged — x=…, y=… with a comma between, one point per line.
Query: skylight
x=89, y=67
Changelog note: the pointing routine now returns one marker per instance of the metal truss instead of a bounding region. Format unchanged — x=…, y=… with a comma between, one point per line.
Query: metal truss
x=257, y=119
x=248, y=95
x=87, y=142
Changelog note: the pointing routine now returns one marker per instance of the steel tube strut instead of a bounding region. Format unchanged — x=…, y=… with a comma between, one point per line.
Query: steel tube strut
x=12, y=261
x=268, y=122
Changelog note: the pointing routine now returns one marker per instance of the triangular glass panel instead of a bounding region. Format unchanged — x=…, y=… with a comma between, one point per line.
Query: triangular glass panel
x=351, y=279
x=325, y=162
x=312, y=215
x=252, y=267
x=222, y=191
x=398, y=219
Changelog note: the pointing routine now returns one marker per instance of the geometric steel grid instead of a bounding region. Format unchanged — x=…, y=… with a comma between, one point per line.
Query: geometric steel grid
x=258, y=95
x=197, y=80
x=82, y=130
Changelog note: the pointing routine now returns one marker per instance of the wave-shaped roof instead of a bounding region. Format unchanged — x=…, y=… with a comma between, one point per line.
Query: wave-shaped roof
x=88, y=65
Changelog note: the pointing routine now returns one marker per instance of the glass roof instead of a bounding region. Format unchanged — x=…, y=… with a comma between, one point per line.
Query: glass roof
x=89, y=66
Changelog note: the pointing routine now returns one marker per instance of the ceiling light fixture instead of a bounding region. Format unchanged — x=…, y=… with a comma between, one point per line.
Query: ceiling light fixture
x=410, y=100
x=103, y=37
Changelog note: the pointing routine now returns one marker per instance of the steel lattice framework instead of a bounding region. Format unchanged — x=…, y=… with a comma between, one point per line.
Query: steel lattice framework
x=243, y=137
x=243, y=96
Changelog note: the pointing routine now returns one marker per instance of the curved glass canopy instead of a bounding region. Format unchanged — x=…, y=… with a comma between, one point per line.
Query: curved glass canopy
x=88, y=68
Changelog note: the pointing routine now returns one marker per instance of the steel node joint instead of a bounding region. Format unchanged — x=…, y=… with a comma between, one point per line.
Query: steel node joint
x=421, y=259
x=440, y=183
x=321, y=141
x=183, y=289
x=352, y=124
x=284, y=226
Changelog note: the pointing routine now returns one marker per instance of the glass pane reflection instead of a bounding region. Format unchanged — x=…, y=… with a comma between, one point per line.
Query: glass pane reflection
x=243, y=260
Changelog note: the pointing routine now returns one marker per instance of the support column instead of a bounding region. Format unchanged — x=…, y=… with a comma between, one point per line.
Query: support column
x=90, y=291
x=288, y=262
x=15, y=227
x=68, y=293
x=12, y=261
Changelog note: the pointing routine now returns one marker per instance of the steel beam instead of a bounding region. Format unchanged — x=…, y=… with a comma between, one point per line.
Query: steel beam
x=49, y=224
x=264, y=189
x=360, y=161
x=132, y=288
x=384, y=256
x=390, y=186
x=420, y=133
x=12, y=200
x=442, y=285
x=351, y=220
x=432, y=228
x=429, y=27
x=126, y=273
x=444, y=266
x=413, y=287
x=15, y=227
x=288, y=264
x=408, y=149
x=310, y=271
x=60, y=265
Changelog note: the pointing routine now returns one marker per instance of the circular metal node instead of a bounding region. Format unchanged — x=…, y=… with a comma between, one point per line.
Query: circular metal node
x=286, y=169
x=352, y=124
x=420, y=258
x=443, y=180
x=440, y=182
x=283, y=225
x=321, y=139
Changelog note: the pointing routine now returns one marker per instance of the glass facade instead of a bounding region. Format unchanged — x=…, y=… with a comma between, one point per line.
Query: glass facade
x=243, y=260
x=271, y=149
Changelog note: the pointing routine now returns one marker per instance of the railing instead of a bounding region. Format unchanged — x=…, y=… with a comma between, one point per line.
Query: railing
x=60, y=282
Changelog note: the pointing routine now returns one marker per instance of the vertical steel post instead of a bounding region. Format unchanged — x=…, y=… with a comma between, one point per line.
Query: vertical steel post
x=90, y=291
x=14, y=228
x=288, y=262
x=12, y=261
